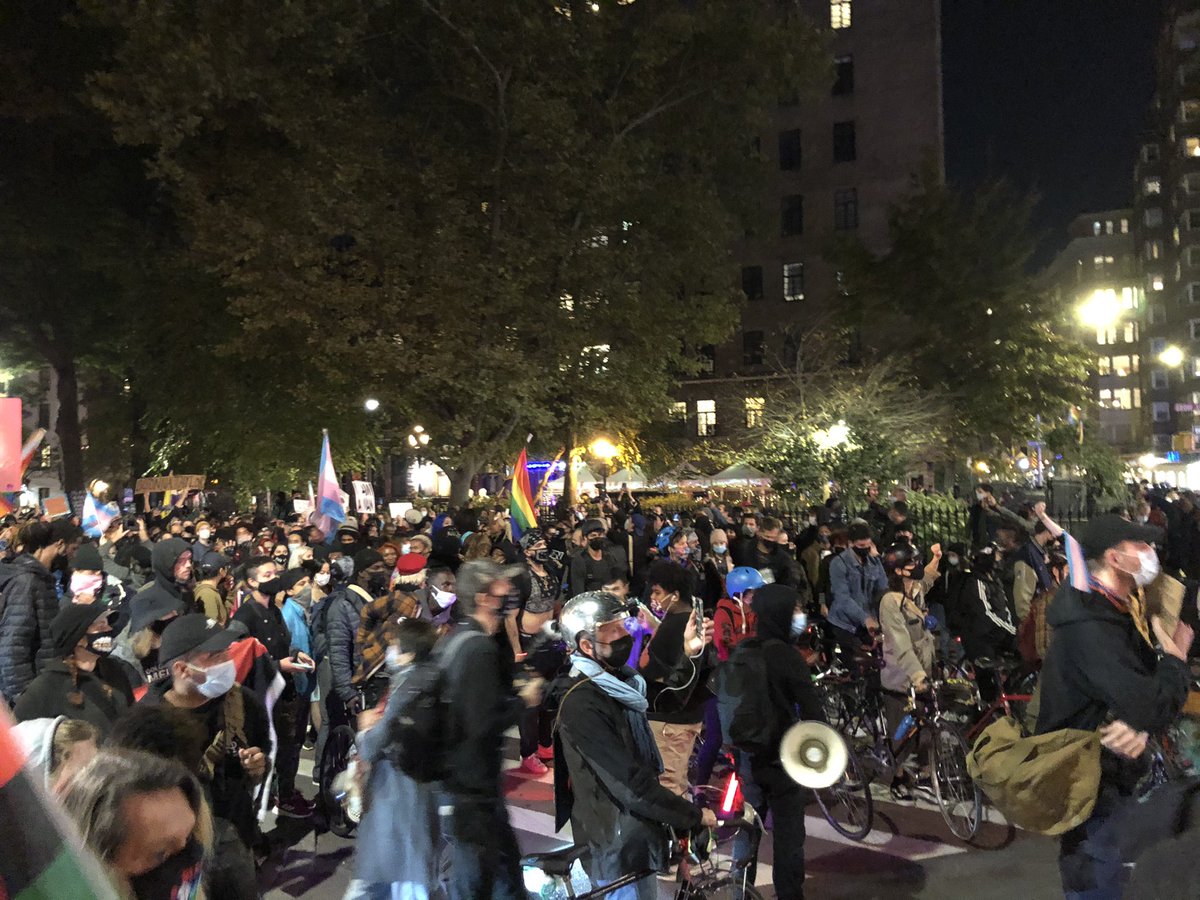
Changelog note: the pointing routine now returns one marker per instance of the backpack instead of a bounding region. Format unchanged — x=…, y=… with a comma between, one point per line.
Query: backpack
x=749, y=721
x=418, y=739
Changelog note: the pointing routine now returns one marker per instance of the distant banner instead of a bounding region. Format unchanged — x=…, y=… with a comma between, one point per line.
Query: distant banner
x=303, y=507
x=364, y=497
x=56, y=506
x=172, y=483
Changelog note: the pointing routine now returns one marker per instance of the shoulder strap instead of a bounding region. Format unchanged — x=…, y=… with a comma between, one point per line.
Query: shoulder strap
x=563, y=701
x=367, y=598
x=233, y=724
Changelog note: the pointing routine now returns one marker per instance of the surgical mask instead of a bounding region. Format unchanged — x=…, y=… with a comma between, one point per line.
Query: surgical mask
x=749, y=530
x=444, y=599
x=952, y=559
x=204, y=534
x=720, y=549
x=85, y=583
x=799, y=624
x=321, y=578
x=1150, y=569
x=979, y=495
x=218, y=679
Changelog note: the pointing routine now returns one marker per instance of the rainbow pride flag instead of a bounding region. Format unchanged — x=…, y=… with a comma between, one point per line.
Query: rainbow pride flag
x=43, y=858
x=521, y=506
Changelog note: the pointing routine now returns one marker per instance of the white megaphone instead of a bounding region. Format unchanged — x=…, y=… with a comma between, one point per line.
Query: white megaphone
x=813, y=755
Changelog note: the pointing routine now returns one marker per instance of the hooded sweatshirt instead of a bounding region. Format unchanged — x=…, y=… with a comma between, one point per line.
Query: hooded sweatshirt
x=162, y=561
x=37, y=737
x=788, y=675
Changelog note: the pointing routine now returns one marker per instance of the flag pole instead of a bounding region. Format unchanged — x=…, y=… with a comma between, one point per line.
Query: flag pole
x=549, y=474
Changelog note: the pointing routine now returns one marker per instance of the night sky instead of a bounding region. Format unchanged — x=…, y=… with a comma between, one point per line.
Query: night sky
x=1052, y=95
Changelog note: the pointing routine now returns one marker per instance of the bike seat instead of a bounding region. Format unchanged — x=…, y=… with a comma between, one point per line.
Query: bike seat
x=989, y=664
x=555, y=863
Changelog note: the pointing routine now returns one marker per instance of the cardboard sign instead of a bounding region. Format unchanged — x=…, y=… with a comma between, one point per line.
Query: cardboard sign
x=303, y=507
x=396, y=510
x=345, y=498
x=1164, y=598
x=364, y=496
x=174, y=483
x=10, y=444
x=55, y=506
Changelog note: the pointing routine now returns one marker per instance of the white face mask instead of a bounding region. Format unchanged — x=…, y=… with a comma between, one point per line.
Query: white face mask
x=218, y=679
x=979, y=495
x=321, y=578
x=444, y=599
x=799, y=624
x=392, y=658
x=1149, y=570
x=204, y=534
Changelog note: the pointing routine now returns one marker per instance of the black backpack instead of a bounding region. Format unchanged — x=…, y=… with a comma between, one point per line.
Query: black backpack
x=749, y=721
x=418, y=739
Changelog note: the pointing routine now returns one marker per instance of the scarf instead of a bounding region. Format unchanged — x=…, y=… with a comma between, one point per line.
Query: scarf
x=631, y=695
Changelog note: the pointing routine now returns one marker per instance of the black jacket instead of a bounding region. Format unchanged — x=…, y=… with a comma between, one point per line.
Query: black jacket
x=789, y=680
x=29, y=604
x=481, y=707
x=105, y=693
x=613, y=800
x=163, y=588
x=587, y=574
x=784, y=567
x=980, y=615
x=1099, y=664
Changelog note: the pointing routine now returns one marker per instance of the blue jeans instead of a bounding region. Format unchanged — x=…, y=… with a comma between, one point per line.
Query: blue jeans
x=646, y=889
x=1089, y=859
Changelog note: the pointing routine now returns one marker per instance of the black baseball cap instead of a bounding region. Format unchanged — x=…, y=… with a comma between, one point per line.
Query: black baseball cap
x=194, y=633
x=1105, y=532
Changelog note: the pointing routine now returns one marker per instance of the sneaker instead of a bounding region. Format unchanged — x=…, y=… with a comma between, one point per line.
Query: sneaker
x=545, y=754
x=295, y=807
x=310, y=739
x=531, y=765
x=901, y=791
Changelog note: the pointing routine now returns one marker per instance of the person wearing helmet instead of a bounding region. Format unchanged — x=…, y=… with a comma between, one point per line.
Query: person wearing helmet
x=734, y=620
x=908, y=643
x=606, y=761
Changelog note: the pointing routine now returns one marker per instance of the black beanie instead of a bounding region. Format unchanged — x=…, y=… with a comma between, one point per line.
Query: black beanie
x=87, y=559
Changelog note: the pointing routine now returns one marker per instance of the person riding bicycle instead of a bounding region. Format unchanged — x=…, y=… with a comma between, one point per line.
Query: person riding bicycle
x=606, y=763
x=908, y=643
x=734, y=619
x=856, y=580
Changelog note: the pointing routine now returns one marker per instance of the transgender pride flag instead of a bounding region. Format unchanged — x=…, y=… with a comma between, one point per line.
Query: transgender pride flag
x=329, y=512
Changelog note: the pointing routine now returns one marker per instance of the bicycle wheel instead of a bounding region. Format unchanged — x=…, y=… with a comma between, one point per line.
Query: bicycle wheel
x=339, y=750
x=847, y=805
x=726, y=888
x=957, y=796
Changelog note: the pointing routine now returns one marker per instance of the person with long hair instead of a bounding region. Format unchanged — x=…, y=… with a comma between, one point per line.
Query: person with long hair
x=80, y=682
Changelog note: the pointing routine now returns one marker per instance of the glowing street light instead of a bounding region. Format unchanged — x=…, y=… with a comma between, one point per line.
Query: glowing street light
x=603, y=448
x=836, y=435
x=1100, y=310
x=371, y=405
x=418, y=437
x=1171, y=357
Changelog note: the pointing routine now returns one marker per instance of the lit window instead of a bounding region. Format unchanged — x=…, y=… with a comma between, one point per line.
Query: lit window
x=1154, y=217
x=1097, y=228
x=839, y=14
x=1152, y=185
x=1124, y=226
x=1196, y=366
x=1131, y=333
x=845, y=209
x=1104, y=367
x=1108, y=227
x=754, y=411
x=1122, y=398
x=1104, y=396
x=679, y=411
x=1100, y=262
x=706, y=417
x=1191, y=146
x=1129, y=298
x=1153, y=250
x=1156, y=282
x=1162, y=412
x=1124, y=365
x=793, y=282
x=1106, y=336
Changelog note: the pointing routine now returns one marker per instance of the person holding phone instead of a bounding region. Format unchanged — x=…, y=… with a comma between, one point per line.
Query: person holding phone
x=676, y=664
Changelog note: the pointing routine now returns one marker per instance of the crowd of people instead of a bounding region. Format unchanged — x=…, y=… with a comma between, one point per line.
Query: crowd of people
x=168, y=676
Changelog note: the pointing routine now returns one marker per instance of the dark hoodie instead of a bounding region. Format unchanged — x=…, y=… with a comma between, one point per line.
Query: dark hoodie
x=788, y=676
x=162, y=560
x=1098, y=663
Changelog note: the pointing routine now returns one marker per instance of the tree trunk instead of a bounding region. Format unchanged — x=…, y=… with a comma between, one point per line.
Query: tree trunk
x=460, y=481
x=570, y=488
x=67, y=426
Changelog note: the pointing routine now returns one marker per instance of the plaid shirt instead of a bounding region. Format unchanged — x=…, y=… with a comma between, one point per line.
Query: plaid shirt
x=379, y=617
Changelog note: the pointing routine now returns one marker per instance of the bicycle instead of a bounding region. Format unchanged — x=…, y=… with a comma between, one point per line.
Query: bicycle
x=703, y=875
x=1007, y=703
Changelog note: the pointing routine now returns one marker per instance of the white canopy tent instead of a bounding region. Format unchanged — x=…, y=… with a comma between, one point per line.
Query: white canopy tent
x=633, y=476
x=741, y=475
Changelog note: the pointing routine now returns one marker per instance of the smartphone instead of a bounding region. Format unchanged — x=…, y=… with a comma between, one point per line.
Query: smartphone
x=698, y=614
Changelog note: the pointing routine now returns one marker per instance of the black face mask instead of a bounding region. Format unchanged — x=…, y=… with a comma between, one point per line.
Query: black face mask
x=596, y=543
x=101, y=644
x=179, y=876
x=618, y=653
x=270, y=588
x=863, y=552
x=377, y=583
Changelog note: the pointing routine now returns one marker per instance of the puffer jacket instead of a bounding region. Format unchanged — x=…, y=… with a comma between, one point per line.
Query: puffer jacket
x=30, y=604
x=612, y=798
x=342, y=616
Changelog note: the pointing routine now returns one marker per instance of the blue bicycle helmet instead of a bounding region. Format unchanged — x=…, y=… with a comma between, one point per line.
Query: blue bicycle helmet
x=743, y=579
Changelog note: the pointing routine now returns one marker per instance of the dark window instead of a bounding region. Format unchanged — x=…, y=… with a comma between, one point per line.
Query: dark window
x=752, y=282
x=753, y=348
x=43, y=418
x=708, y=359
x=845, y=147
x=845, y=209
x=792, y=215
x=843, y=76
x=789, y=149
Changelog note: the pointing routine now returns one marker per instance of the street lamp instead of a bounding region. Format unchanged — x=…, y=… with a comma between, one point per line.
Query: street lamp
x=371, y=405
x=606, y=450
x=1100, y=310
x=418, y=437
x=1171, y=357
